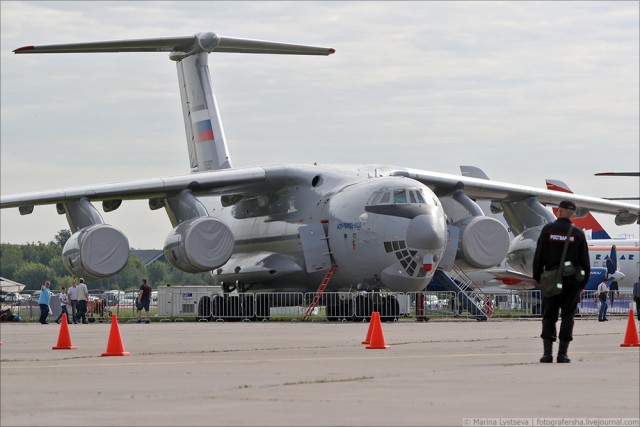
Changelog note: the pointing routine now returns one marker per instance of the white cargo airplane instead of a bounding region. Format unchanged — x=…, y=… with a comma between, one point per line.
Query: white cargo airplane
x=287, y=227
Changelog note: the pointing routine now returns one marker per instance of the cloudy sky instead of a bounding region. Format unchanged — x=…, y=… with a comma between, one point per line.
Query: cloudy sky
x=524, y=90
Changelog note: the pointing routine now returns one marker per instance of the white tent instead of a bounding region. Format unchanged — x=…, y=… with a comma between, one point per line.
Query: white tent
x=7, y=285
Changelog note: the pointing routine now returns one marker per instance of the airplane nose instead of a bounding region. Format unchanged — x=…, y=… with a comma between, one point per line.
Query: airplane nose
x=426, y=232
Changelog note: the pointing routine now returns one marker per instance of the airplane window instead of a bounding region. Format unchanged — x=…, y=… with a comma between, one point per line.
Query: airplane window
x=412, y=197
x=399, y=195
x=384, y=199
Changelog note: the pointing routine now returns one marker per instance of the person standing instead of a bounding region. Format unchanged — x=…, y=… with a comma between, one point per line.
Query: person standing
x=83, y=297
x=63, y=305
x=73, y=298
x=547, y=256
x=43, y=301
x=636, y=297
x=601, y=295
x=613, y=291
x=144, y=300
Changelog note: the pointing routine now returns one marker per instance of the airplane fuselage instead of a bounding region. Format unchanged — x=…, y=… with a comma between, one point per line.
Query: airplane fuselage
x=523, y=248
x=378, y=230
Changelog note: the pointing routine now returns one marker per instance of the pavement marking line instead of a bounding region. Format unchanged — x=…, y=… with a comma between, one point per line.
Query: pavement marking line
x=302, y=359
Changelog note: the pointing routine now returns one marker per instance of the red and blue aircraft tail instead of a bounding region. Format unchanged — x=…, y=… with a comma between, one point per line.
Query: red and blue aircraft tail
x=588, y=222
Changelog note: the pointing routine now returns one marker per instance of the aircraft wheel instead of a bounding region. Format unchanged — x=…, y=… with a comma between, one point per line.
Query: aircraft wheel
x=363, y=308
x=216, y=307
x=262, y=307
x=204, y=308
x=331, y=313
x=389, y=309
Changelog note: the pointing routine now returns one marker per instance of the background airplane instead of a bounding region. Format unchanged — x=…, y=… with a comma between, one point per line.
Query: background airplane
x=602, y=249
x=289, y=227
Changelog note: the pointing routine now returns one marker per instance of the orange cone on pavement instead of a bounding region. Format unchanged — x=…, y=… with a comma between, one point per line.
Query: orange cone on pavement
x=374, y=314
x=64, y=338
x=377, y=338
x=115, y=347
x=631, y=337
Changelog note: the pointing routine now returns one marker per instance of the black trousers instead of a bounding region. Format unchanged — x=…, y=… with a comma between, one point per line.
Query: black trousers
x=565, y=304
x=82, y=311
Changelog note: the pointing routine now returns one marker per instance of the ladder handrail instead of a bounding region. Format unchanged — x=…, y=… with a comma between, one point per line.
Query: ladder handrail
x=319, y=292
x=467, y=285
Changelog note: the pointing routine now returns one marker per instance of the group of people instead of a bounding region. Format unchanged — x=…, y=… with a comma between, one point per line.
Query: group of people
x=78, y=296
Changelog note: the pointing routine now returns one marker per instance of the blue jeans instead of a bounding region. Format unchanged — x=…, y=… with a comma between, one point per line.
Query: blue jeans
x=602, y=315
x=63, y=309
x=74, y=310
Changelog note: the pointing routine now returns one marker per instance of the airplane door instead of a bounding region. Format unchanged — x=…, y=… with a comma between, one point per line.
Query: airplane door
x=315, y=247
x=449, y=255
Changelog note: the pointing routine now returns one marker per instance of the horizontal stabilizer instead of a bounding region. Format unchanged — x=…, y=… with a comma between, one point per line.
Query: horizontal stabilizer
x=201, y=42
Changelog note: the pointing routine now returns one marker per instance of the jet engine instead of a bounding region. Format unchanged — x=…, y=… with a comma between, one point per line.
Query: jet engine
x=96, y=252
x=199, y=245
x=482, y=242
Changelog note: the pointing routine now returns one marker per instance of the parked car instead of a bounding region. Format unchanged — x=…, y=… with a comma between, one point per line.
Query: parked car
x=507, y=302
x=13, y=298
x=112, y=297
x=432, y=302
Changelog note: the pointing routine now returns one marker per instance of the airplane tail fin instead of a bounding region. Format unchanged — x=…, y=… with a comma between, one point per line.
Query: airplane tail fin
x=203, y=126
x=587, y=222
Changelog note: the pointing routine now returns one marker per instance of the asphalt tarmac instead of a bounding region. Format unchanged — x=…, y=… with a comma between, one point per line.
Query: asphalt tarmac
x=315, y=374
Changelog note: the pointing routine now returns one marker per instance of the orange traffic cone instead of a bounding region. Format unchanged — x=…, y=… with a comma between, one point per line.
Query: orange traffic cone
x=64, y=338
x=377, y=338
x=115, y=347
x=631, y=337
x=372, y=321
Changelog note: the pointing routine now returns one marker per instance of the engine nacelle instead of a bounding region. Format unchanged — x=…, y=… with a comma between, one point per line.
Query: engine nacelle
x=198, y=245
x=523, y=249
x=483, y=242
x=96, y=252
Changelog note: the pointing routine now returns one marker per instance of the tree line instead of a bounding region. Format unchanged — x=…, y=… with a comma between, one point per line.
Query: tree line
x=33, y=263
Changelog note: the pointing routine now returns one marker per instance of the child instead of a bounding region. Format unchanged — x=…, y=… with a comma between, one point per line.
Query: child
x=63, y=305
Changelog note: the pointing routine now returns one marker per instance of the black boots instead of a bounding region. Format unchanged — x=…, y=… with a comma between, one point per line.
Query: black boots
x=562, y=352
x=547, y=357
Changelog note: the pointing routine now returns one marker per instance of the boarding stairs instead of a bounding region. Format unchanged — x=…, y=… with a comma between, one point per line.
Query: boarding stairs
x=466, y=290
x=319, y=292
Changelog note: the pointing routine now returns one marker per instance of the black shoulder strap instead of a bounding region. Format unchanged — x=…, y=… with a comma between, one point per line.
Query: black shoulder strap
x=564, y=252
x=566, y=244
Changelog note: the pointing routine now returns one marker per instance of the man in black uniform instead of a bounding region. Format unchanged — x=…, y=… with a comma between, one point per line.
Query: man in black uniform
x=548, y=254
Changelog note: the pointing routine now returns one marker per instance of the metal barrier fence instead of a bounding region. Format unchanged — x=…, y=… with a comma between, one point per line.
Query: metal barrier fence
x=333, y=306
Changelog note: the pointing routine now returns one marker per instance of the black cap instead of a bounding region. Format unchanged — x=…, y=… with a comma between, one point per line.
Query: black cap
x=567, y=204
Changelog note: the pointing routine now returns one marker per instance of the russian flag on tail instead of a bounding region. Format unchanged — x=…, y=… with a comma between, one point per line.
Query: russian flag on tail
x=202, y=131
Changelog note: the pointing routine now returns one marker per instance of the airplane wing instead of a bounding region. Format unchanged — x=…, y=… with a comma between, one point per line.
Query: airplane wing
x=476, y=188
x=218, y=182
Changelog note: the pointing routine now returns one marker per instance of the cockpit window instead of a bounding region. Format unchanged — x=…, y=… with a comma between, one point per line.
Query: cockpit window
x=397, y=195
x=419, y=196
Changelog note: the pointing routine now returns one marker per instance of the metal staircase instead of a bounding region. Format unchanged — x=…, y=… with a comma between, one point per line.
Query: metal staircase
x=319, y=292
x=466, y=290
